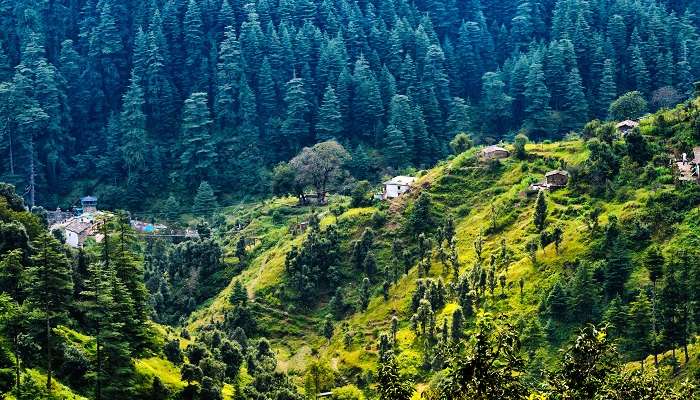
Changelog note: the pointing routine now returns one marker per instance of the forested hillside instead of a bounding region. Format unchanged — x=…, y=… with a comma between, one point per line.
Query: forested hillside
x=135, y=100
x=474, y=285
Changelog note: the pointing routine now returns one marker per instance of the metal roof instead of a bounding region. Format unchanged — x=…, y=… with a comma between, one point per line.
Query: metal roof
x=400, y=180
x=493, y=148
x=629, y=123
x=88, y=198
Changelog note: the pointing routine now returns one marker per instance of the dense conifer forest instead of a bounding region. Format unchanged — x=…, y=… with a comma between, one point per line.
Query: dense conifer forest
x=136, y=100
x=543, y=242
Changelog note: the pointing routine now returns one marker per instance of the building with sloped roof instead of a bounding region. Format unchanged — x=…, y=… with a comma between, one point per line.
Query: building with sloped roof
x=397, y=186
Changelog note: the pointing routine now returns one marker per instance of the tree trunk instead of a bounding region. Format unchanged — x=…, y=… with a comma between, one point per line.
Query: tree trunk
x=31, y=172
x=17, y=365
x=48, y=352
x=653, y=322
x=656, y=359
x=12, y=157
x=673, y=354
x=98, y=376
x=685, y=351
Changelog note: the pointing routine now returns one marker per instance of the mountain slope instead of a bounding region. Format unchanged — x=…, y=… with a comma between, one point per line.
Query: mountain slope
x=487, y=201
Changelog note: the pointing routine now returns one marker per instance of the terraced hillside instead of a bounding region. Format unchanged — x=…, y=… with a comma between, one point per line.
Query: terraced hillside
x=490, y=205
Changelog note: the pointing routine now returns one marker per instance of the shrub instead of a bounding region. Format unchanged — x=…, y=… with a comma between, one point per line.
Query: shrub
x=347, y=392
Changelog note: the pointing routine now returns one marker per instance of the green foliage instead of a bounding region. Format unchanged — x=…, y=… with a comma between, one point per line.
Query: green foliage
x=347, y=392
x=390, y=384
x=461, y=143
x=630, y=105
x=419, y=215
x=540, y=214
x=519, y=144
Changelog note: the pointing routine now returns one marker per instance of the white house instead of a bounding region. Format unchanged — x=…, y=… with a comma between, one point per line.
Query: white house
x=77, y=231
x=397, y=186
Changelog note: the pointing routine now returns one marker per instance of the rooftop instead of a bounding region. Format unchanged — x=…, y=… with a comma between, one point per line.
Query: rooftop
x=78, y=226
x=557, y=172
x=88, y=199
x=628, y=123
x=400, y=180
x=490, y=149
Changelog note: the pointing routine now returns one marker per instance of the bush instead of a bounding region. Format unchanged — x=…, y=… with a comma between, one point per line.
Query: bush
x=461, y=143
x=520, y=142
x=378, y=219
x=347, y=392
x=630, y=105
x=361, y=194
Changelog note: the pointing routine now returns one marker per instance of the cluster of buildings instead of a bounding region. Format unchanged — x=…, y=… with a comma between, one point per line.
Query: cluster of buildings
x=688, y=170
x=81, y=223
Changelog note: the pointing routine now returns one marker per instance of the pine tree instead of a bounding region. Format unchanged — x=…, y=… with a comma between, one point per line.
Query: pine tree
x=50, y=290
x=654, y=262
x=575, y=102
x=390, y=384
x=129, y=272
x=639, y=71
x=540, y=213
x=229, y=72
x=161, y=94
x=198, y=153
x=364, y=293
x=205, y=200
x=616, y=269
x=330, y=121
x=133, y=124
x=495, y=104
x=367, y=101
x=295, y=128
x=607, y=91
x=5, y=70
x=640, y=318
x=457, y=325
x=557, y=301
x=459, y=118
x=193, y=40
x=537, y=112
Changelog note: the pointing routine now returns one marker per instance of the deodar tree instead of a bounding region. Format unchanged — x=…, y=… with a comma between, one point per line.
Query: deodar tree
x=320, y=167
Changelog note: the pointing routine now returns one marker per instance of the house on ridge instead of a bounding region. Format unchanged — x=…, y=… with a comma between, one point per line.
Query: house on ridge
x=494, y=153
x=626, y=126
x=397, y=186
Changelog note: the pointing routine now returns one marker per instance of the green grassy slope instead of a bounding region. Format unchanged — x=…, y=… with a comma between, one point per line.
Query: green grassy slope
x=485, y=200
x=470, y=191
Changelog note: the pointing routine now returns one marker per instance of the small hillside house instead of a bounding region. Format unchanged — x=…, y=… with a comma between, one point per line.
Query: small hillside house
x=552, y=180
x=77, y=231
x=556, y=178
x=627, y=125
x=494, y=153
x=397, y=186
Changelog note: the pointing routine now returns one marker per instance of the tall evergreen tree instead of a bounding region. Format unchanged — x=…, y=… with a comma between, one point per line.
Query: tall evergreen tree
x=607, y=90
x=198, y=152
x=50, y=289
x=537, y=112
x=295, y=128
x=133, y=124
x=330, y=121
